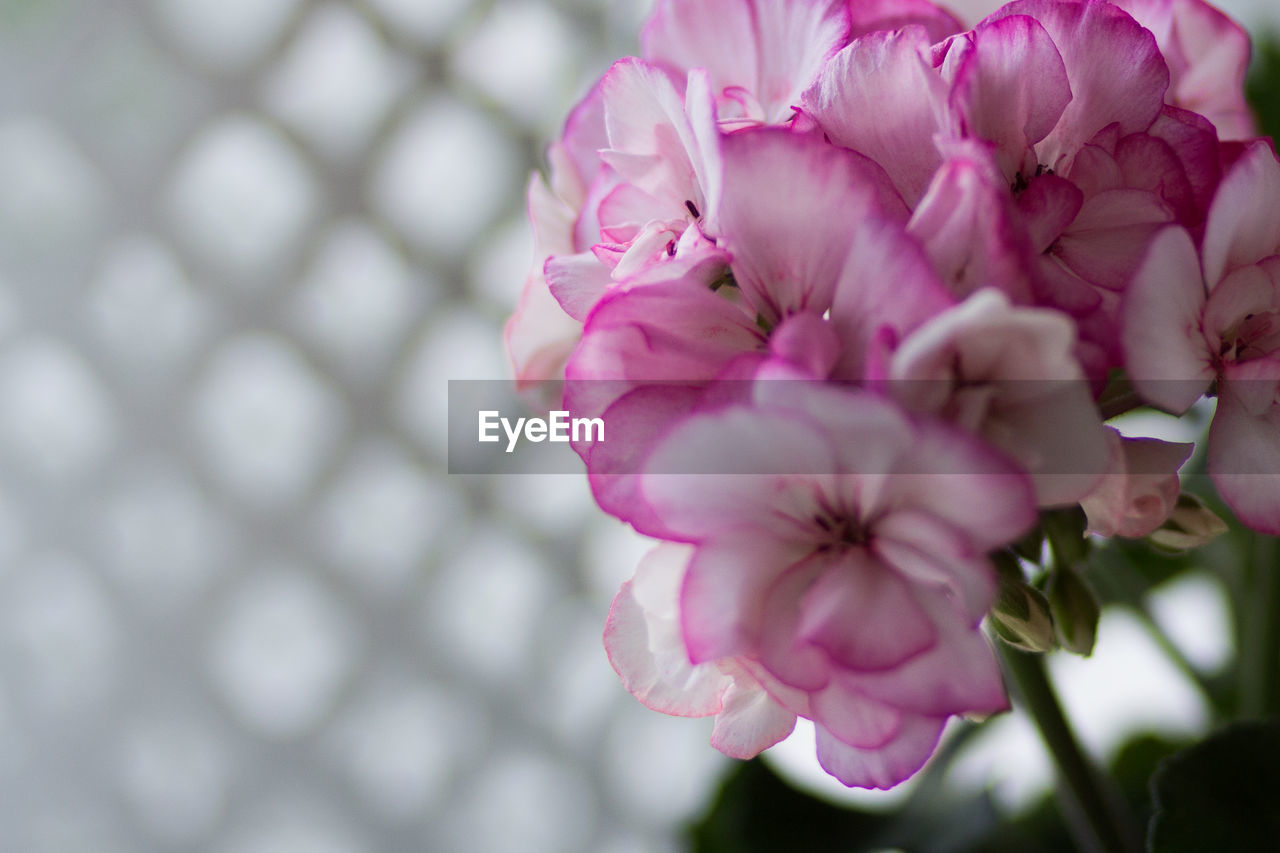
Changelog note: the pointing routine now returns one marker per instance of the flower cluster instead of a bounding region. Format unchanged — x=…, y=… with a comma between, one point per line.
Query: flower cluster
x=855, y=288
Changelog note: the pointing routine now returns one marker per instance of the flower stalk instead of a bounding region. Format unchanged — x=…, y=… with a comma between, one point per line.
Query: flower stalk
x=1095, y=810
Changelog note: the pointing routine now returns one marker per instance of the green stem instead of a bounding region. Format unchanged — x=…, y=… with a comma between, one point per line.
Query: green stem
x=1121, y=583
x=1095, y=811
x=1259, y=630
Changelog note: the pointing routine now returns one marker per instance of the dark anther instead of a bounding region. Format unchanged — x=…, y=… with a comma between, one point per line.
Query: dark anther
x=671, y=249
x=1019, y=183
x=822, y=522
x=693, y=209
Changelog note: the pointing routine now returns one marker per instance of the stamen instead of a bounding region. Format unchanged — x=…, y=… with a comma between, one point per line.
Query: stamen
x=692, y=208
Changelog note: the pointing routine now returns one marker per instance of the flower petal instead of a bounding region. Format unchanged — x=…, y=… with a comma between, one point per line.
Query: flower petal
x=750, y=720
x=786, y=212
x=872, y=15
x=642, y=640
x=882, y=97
x=1166, y=356
x=722, y=602
x=885, y=766
x=1244, y=219
x=970, y=229
x=1010, y=87
x=1244, y=447
x=863, y=615
x=771, y=48
x=1115, y=69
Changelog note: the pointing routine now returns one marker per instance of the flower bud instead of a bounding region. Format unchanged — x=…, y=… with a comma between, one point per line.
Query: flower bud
x=1020, y=615
x=1075, y=610
x=1190, y=525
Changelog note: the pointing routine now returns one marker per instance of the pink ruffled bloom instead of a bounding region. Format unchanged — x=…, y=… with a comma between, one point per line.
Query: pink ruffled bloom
x=1007, y=374
x=845, y=280
x=1068, y=99
x=1195, y=317
x=818, y=261
x=838, y=572
x=1206, y=51
x=1139, y=490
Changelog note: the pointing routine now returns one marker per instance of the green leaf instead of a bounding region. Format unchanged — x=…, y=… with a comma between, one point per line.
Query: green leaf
x=1221, y=794
x=1075, y=610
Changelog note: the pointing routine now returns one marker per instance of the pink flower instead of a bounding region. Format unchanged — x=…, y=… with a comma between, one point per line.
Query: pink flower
x=970, y=227
x=839, y=559
x=642, y=638
x=881, y=96
x=759, y=54
x=1068, y=93
x=1191, y=318
x=1140, y=489
x=1061, y=105
x=1206, y=51
x=661, y=172
x=871, y=15
x=1009, y=375
x=820, y=262
x=539, y=335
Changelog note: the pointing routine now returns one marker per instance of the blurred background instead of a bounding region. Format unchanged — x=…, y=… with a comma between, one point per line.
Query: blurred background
x=243, y=606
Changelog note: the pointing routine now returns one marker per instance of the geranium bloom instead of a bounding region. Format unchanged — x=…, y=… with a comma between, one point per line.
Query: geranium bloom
x=540, y=335
x=846, y=285
x=1207, y=54
x=1191, y=318
x=759, y=54
x=1140, y=488
x=645, y=646
x=1069, y=98
x=839, y=561
x=819, y=261
x=1008, y=374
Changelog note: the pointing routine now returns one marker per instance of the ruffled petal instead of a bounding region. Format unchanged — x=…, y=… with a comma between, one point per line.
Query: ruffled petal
x=958, y=675
x=864, y=615
x=772, y=49
x=750, y=720
x=1244, y=445
x=642, y=640
x=961, y=480
x=1166, y=356
x=887, y=282
x=1208, y=55
x=786, y=214
x=882, y=97
x=1116, y=72
x=970, y=229
x=1010, y=88
x=884, y=766
x=1244, y=219
x=726, y=589
x=871, y=15
x=1108, y=239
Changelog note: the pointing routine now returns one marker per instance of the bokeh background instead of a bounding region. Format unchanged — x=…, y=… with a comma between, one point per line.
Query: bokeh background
x=243, y=606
